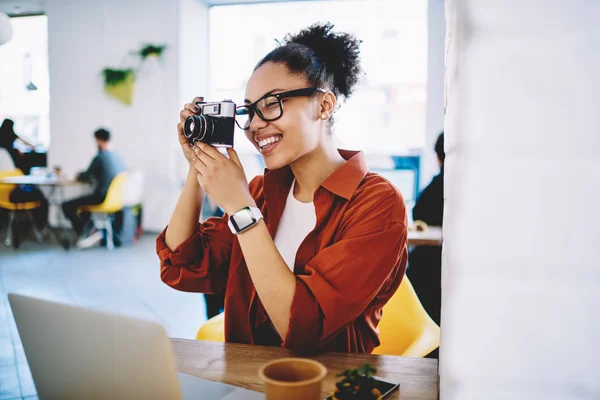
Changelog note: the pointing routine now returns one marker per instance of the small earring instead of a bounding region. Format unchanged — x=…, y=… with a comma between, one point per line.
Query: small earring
x=323, y=116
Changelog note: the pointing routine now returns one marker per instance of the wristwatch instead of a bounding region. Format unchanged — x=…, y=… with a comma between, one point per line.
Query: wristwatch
x=244, y=219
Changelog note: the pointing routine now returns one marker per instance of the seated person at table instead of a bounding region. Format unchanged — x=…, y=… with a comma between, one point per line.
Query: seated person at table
x=429, y=206
x=103, y=168
x=22, y=193
x=330, y=249
x=425, y=262
x=7, y=140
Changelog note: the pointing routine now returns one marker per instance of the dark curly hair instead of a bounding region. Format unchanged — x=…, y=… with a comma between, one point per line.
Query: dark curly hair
x=326, y=59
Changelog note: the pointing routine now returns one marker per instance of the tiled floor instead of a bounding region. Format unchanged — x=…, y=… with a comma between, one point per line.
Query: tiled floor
x=125, y=281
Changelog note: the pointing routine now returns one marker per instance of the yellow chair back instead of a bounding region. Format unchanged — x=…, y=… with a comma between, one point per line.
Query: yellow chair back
x=114, y=197
x=405, y=328
x=7, y=188
x=213, y=330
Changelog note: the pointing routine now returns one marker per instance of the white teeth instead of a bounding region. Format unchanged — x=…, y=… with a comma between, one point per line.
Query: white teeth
x=269, y=140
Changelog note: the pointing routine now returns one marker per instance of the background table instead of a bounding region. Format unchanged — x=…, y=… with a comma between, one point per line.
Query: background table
x=39, y=180
x=53, y=188
x=238, y=364
x=430, y=237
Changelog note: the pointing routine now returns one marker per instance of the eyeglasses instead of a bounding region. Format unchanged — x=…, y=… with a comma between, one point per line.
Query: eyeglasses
x=269, y=108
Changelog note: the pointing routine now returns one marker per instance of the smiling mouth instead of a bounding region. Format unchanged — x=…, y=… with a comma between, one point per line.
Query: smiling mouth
x=269, y=142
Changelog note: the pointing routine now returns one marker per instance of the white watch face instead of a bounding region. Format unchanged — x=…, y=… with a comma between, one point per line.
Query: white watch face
x=243, y=219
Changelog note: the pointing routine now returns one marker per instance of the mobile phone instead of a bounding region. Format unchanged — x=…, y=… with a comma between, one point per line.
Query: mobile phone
x=385, y=387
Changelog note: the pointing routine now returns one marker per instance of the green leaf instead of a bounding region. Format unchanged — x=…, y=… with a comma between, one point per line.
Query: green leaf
x=361, y=377
x=113, y=76
x=152, y=50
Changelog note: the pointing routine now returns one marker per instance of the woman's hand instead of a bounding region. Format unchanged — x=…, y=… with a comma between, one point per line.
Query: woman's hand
x=223, y=179
x=188, y=109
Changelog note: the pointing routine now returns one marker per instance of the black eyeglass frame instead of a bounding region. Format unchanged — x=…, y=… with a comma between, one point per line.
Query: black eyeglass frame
x=251, y=109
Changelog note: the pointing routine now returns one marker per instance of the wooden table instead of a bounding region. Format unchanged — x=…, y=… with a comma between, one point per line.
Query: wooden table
x=432, y=236
x=237, y=364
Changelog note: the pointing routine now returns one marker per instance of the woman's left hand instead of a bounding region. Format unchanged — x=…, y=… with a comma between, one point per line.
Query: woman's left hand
x=223, y=179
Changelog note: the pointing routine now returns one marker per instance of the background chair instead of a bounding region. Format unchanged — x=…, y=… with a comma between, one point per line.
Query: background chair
x=405, y=328
x=133, y=197
x=16, y=210
x=134, y=188
x=213, y=330
x=112, y=204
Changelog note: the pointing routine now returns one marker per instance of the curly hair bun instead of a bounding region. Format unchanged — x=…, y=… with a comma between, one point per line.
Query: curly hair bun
x=339, y=52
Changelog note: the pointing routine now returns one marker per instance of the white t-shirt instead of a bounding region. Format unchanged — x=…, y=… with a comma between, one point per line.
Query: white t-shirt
x=297, y=221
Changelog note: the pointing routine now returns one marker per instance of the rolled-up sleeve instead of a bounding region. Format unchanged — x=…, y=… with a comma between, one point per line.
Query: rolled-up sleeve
x=343, y=279
x=201, y=263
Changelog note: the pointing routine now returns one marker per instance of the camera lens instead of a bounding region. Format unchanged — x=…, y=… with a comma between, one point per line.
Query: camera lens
x=197, y=128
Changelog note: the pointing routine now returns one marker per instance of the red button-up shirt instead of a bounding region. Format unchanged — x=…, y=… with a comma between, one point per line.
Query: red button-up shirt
x=346, y=269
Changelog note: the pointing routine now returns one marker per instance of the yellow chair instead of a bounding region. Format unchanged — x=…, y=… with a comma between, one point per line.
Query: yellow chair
x=14, y=208
x=111, y=204
x=405, y=328
x=213, y=330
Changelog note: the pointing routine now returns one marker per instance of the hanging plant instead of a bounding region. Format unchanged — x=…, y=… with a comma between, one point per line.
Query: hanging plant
x=152, y=50
x=113, y=77
x=119, y=83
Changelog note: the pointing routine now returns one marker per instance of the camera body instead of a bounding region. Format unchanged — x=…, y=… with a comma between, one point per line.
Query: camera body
x=214, y=125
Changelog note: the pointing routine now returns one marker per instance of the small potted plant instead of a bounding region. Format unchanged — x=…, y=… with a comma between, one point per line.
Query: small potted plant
x=357, y=383
x=119, y=83
x=152, y=50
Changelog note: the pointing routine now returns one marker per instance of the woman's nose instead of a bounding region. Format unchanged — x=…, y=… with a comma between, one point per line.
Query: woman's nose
x=257, y=123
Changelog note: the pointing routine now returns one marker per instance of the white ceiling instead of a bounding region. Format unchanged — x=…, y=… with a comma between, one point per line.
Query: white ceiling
x=28, y=7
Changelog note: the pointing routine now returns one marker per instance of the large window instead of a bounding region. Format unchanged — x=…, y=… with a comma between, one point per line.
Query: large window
x=24, y=91
x=386, y=114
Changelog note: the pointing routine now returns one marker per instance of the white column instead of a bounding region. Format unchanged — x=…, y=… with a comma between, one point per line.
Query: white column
x=84, y=38
x=522, y=224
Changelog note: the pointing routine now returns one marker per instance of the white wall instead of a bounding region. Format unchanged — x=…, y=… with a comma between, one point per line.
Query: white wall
x=75, y=33
x=193, y=67
x=193, y=58
x=436, y=33
x=84, y=38
x=521, y=232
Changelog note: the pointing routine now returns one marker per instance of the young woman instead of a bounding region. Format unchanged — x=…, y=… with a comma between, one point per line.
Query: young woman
x=310, y=252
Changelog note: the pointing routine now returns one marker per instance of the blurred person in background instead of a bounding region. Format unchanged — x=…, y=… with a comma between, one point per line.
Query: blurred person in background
x=23, y=193
x=429, y=206
x=7, y=140
x=425, y=262
x=103, y=168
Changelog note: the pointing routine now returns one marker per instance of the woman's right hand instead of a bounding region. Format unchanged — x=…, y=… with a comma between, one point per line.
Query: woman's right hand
x=188, y=109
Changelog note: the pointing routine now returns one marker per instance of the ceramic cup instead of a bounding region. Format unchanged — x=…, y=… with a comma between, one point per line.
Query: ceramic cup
x=292, y=379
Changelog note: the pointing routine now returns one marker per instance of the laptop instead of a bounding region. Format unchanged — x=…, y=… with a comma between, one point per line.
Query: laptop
x=77, y=353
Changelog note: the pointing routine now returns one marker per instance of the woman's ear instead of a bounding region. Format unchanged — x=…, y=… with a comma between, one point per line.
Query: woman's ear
x=327, y=105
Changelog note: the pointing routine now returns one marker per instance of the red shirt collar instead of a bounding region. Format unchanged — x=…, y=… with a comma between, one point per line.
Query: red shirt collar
x=343, y=182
